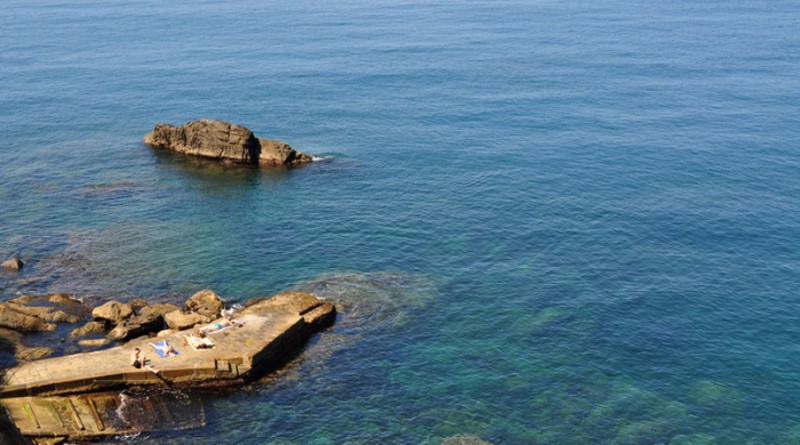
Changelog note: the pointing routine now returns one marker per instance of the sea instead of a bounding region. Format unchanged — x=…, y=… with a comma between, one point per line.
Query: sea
x=542, y=222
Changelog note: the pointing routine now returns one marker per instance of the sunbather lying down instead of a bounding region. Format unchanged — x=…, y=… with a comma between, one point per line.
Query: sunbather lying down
x=164, y=349
x=221, y=325
x=197, y=341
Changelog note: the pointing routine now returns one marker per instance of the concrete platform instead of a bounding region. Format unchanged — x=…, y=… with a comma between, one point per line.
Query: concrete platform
x=273, y=330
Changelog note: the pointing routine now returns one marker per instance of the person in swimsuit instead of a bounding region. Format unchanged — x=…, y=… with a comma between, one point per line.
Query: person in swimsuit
x=165, y=349
x=138, y=361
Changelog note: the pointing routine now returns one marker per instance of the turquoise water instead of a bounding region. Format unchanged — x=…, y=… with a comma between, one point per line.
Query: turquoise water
x=545, y=222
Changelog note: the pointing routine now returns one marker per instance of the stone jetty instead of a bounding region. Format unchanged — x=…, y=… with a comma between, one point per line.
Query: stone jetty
x=272, y=330
x=223, y=141
x=264, y=336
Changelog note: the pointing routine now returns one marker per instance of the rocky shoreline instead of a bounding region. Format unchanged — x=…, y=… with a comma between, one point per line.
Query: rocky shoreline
x=107, y=323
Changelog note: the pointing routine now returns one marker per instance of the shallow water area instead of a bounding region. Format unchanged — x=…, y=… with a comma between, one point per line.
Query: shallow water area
x=546, y=222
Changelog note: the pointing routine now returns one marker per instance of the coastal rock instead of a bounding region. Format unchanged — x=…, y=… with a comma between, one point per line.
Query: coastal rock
x=112, y=312
x=48, y=314
x=62, y=299
x=90, y=328
x=206, y=303
x=274, y=153
x=9, y=340
x=12, y=264
x=137, y=325
x=25, y=354
x=179, y=320
x=165, y=333
x=159, y=309
x=138, y=303
x=223, y=141
x=21, y=315
x=12, y=319
x=94, y=342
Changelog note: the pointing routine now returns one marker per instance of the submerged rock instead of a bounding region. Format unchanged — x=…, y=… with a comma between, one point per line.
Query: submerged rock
x=9, y=340
x=26, y=354
x=12, y=319
x=31, y=313
x=464, y=439
x=48, y=314
x=220, y=140
x=90, y=328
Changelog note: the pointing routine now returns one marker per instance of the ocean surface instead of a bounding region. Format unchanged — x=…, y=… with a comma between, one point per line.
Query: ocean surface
x=544, y=222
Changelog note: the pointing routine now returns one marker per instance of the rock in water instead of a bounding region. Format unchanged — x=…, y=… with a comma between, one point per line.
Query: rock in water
x=14, y=263
x=221, y=140
x=92, y=327
x=12, y=319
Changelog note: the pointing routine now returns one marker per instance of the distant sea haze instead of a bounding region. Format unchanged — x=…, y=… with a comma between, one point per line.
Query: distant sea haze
x=544, y=222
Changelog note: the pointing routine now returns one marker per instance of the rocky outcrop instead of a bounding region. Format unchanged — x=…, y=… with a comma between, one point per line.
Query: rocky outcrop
x=160, y=309
x=13, y=319
x=123, y=323
x=206, y=303
x=90, y=328
x=112, y=313
x=274, y=153
x=223, y=141
x=201, y=307
x=26, y=354
x=49, y=314
x=179, y=320
x=30, y=314
x=137, y=325
x=138, y=303
x=94, y=342
x=12, y=264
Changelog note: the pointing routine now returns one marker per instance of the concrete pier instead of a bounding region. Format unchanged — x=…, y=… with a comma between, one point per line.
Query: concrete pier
x=273, y=330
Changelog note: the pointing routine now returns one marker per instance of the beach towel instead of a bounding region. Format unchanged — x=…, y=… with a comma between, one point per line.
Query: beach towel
x=199, y=343
x=160, y=349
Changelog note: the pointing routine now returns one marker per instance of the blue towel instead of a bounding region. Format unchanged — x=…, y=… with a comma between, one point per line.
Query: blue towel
x=161, y=352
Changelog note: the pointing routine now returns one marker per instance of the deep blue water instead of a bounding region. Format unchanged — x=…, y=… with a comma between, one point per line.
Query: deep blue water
x=545, y=222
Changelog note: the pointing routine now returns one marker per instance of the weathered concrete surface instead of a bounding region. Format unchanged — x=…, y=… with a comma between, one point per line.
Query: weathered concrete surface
x=273, y=330
x=220, y=140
